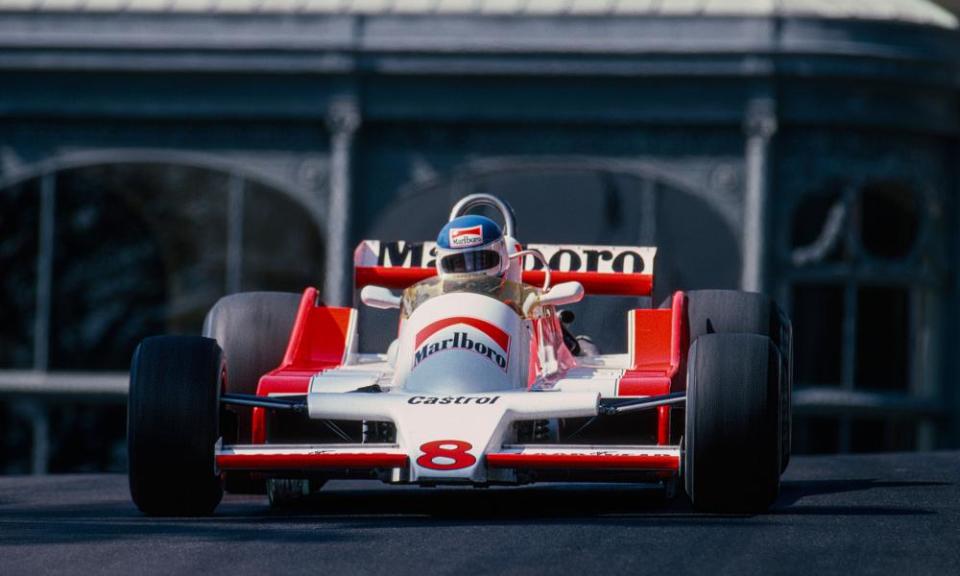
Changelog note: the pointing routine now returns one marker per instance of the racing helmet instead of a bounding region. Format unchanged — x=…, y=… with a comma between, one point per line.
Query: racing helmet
x=472, y=244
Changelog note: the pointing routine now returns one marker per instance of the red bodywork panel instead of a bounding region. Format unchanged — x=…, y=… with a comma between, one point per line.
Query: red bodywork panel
x=310, y=461
x=320, y=339
x=596, y=283
x=658, y=342
x=357, y=461
x=583, y=462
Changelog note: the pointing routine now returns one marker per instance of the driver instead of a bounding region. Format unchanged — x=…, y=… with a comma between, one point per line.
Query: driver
x=475, y=245
x=472, y=244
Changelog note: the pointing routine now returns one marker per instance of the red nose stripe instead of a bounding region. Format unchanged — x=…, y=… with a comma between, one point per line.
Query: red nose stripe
x=496, y=334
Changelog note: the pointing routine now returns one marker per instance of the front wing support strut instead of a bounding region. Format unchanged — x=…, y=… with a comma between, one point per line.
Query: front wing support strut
x=293, y=403
x=615, y=406
x=605, y=407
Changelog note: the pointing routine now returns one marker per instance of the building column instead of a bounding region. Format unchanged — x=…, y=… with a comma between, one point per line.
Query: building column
x=235, y=208
x=36, y=410
x=760, y=126
x=343, y=120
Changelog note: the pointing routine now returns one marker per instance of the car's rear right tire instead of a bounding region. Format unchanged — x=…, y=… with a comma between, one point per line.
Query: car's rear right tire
x=173, y=425
x=732, y=448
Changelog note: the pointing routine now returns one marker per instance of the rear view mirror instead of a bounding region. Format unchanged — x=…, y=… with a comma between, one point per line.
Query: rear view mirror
x=563, y=293
x=379, y=297
x=560, y=294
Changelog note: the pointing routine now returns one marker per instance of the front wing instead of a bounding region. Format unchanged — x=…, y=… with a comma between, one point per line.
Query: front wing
x=450, y=439
x=277, y=458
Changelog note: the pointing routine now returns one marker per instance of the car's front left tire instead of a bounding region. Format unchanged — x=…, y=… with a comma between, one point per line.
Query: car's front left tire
x=732, y=448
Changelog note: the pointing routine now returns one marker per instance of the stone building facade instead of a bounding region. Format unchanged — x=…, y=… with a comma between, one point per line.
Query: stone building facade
x=156, y=155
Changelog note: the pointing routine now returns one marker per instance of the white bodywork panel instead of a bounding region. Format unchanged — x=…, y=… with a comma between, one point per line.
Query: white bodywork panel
x=481, y=420
x=458, y=343
x=474, y=424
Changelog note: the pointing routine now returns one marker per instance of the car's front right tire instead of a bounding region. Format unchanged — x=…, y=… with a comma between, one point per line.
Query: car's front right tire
x=173, y=425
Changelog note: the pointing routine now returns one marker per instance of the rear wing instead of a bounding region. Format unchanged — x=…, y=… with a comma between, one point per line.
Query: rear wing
x=608, y=270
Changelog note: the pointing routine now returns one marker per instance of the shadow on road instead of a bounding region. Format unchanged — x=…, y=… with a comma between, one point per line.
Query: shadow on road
x=344, y=515
x=341, y=513
x=790, y=492
x=793, y=492
x=566, y=502
x=477, y=504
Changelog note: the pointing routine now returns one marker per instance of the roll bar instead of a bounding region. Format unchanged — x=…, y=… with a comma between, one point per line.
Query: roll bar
x=473, y=200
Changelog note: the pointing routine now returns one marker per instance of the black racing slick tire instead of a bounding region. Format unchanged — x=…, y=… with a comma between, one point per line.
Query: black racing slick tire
x=732, y=448
x=173, y=425
x=252, y=329
x=736, y=312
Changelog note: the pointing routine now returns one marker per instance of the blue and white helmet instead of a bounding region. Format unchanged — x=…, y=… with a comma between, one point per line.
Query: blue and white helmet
x=472, y=244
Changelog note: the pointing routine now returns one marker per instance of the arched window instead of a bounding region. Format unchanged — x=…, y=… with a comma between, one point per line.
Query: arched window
x=570, y=201
x=138, y=249
x=863, y=287
x=97, y=257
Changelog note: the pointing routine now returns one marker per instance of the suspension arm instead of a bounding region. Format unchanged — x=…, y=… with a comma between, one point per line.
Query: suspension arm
x=615, y=406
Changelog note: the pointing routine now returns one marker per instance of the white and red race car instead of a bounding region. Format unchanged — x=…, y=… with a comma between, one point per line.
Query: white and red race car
x=483, y=385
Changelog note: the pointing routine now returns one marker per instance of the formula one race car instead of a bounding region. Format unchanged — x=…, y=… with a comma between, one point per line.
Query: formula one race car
x=483, y=385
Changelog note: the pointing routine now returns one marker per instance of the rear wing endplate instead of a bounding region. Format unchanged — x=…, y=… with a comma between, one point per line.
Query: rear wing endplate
x=607, y=270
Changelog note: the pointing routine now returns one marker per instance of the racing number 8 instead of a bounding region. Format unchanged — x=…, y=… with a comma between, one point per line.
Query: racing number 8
x=455, y=450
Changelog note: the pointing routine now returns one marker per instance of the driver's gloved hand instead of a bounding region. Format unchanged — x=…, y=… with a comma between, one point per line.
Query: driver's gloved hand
x=587, y=347
x=578, y=345
x=566, y=317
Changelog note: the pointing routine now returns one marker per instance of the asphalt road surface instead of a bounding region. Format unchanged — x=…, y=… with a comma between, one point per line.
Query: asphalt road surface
x=877, y=514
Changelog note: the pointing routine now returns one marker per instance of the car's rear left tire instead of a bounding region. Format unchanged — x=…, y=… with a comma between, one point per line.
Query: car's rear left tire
x=732, y=448
x=736, y=312
x=173, y=425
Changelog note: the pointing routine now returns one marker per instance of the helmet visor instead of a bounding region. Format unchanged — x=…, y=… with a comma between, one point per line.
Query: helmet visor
x=470, y=262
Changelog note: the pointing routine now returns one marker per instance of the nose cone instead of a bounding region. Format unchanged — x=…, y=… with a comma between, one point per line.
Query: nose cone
x=472, y=367
x=462, y=343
